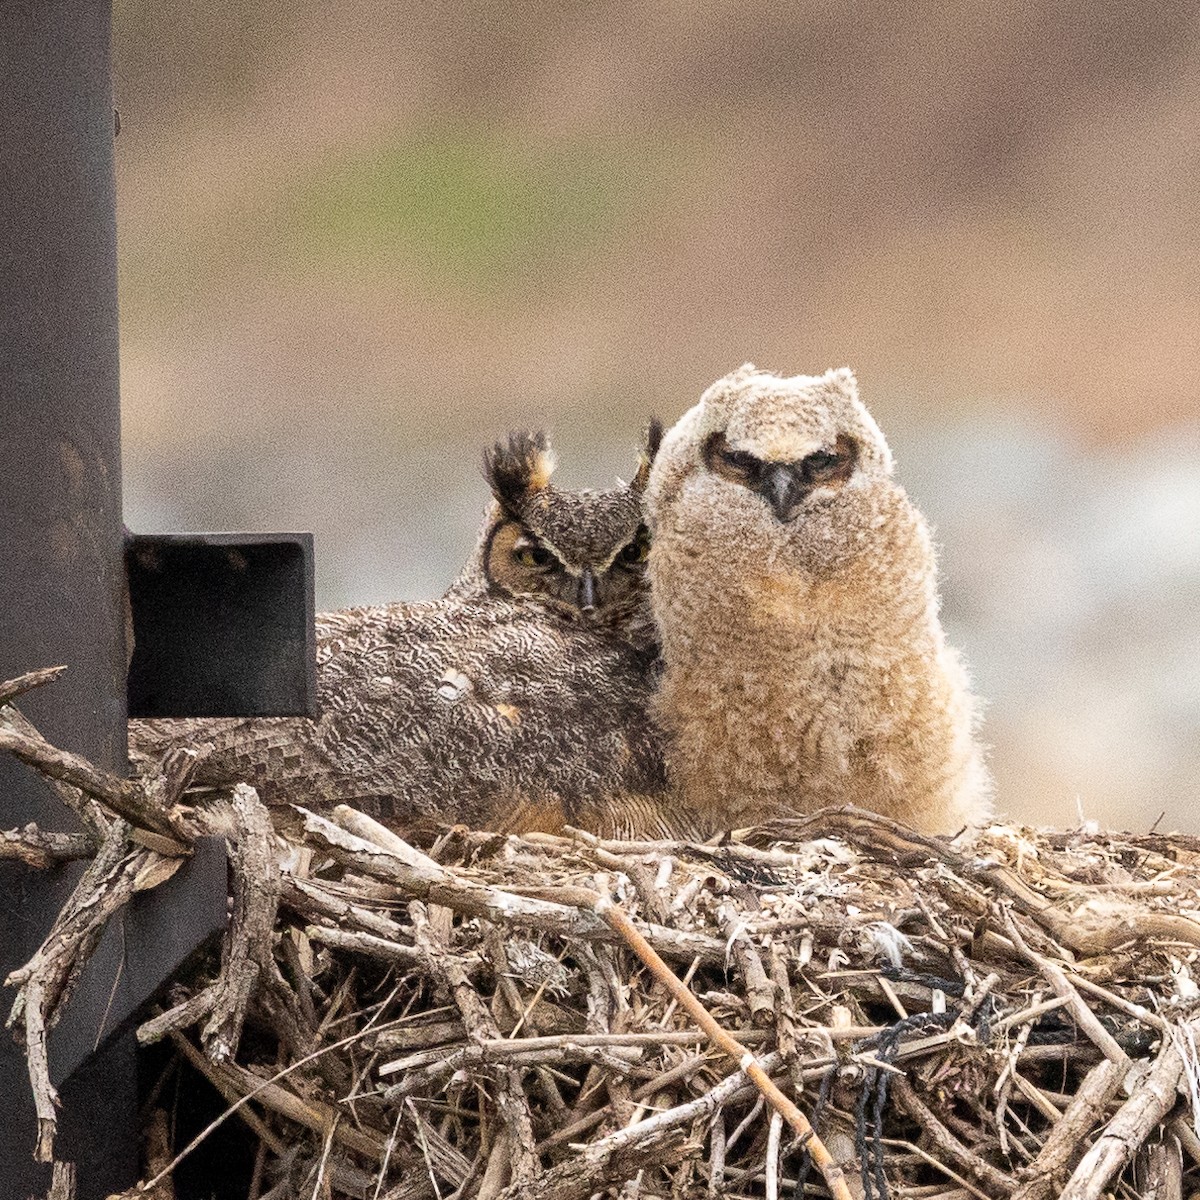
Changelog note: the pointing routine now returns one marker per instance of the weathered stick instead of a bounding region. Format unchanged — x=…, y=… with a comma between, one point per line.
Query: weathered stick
x=834, y=1176
x=560, y=915
x=370, y=830
x=62, y=1182
x=689, y=1068
x=124, y=796
x=248, y=940
x=514, y=1105
x=1082, y=930
x=1133, y=1124
x=187, y=1013
x=45, y=1094
x=220, y=1080
x=1043, y=1175
x=310, y=899
x=995, y=1180
x=428, y=1068
x=45, y=982
x=602, y=1164
x=774, y=1136
x=87, y=808
x=368, y=944
x=1087, y=1020
x=312, y=1114
x=12, y=688
x=41, y=849
x=760, y=990
x=1160, y=1174
x=252, y=1087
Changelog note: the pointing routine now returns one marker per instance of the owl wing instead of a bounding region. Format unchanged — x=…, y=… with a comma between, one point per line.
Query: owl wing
x=483, y=711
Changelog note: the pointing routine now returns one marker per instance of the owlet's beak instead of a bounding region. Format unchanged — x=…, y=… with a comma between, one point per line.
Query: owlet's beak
x=783, y=488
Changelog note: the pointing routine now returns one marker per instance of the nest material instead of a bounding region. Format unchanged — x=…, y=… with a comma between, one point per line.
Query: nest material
x=507, y=1016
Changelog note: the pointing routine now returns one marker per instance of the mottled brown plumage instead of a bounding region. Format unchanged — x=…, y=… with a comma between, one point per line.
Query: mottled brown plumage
x=796, y=597
x=580, y=553
x=503, y=705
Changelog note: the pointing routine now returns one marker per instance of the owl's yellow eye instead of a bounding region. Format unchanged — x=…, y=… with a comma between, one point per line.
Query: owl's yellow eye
x=534, y=556
x=636, y=552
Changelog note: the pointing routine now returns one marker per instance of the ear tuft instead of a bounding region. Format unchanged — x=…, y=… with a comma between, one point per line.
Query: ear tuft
x=650, y=444
x=841, y=379
x=518, y=467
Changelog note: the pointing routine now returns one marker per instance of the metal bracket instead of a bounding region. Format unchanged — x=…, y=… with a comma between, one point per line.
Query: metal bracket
x=222, y=625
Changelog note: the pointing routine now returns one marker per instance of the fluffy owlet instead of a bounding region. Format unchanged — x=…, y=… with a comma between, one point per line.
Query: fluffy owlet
x=796, y=597
x=518, y=701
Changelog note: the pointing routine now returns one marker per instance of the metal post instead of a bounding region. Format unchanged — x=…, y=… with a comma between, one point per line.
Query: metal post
x=225, y=623
x=60, y=498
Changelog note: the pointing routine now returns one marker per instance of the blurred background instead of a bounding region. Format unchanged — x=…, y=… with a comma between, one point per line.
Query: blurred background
x=360, y=240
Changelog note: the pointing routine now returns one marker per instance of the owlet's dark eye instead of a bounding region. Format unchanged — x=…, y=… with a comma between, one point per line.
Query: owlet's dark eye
x=826, y=466
x=533, y=555
x=738, y=465
x=739, y=460
x=635, y=553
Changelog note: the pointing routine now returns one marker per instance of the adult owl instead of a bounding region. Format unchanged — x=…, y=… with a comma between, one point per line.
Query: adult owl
x=579, y=553
x=518, y=701
x=795, y=591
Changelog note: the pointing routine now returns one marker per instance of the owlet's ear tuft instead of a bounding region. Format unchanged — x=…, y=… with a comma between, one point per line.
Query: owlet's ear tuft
x=518, y=468
x=841, y=379
x=650, y=444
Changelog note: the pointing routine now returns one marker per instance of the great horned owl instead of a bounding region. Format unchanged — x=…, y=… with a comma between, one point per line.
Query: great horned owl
x=795, y=592
x=518, y=701
x=580, y=553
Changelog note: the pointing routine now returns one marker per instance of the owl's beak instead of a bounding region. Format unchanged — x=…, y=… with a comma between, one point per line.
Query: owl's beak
x=587, y=590
x=783, y=489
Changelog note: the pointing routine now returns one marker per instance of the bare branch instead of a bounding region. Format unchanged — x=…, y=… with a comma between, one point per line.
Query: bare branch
x=11, y=689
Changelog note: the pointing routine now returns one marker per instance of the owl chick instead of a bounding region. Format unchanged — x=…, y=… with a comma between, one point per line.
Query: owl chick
x=796, y=596
x=518, y=701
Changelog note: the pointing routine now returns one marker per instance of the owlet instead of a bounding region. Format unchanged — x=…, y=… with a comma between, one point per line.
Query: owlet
x=795, y=591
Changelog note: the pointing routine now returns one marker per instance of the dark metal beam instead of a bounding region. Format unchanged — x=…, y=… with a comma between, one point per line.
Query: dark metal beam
x=223, y=625
x=60, y=483
x=207, y=602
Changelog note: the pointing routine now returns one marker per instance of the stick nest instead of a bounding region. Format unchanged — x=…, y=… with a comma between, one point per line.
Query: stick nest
x=502, y=1016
